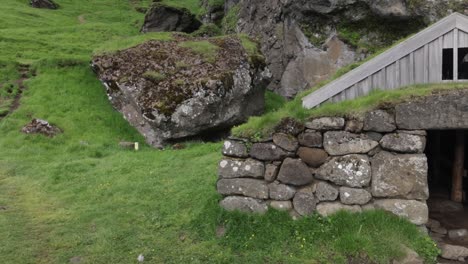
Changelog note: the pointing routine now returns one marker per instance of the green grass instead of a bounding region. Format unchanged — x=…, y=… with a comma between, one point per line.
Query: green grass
x=80, y=195
x=259, y=127
x=208, y=50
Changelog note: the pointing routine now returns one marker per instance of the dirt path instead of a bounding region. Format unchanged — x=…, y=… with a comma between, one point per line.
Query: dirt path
x=24, y=71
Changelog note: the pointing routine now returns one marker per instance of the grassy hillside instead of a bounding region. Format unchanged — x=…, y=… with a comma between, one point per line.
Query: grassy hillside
x=79, y=196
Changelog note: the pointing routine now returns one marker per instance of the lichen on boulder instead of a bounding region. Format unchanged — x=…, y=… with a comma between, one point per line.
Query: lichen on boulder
x=171, y=90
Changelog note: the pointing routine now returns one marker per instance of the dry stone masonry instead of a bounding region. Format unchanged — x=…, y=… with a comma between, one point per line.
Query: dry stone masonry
x=330, y=164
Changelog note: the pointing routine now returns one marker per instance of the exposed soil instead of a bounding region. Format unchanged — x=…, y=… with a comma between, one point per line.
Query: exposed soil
x=170, y=74
x=24, y=71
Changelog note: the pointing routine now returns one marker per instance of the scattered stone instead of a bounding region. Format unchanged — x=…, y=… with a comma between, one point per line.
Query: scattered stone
x=271, y=172
x=164, y=18
x=400, y=175
x=246, y=187
x=326, y=123
x=311, y=139
x=453, y=252
x=379, y=121
x=403, y=142
x=3, y=208
x=374, y=136
x=351, y=170
x=431, y=223
x=281, y=205
x=415, y=211
x=312, y=156
x=244, y=204
x=295, y=172
x=458, y=234
x=236, y=149
x=328, y=209
x=286, y=142
x=351, y=196
x=305, y=202
x=267, y=152
x=338, y=143
x=290, y=126
x=231, y=168
x=439, y=230
x=326, y=192
x=354, y=126
x=76, y=260
x=281, y=192
x=38, y=126
x=49, y=4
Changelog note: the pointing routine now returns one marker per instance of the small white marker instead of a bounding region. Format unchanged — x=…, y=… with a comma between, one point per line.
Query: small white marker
x=137, y=146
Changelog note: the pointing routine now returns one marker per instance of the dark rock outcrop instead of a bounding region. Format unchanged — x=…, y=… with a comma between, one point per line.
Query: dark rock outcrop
x=161, y=18
x=169, y=91
x=49, y=4
x=38, y=126
x=306, y=41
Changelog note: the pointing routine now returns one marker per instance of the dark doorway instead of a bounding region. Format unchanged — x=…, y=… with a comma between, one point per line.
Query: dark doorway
x=442, y=152
x=463, y=64
x=447, y=64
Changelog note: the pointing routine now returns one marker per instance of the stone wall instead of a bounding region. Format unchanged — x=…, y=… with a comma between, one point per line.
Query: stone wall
x=330, y=164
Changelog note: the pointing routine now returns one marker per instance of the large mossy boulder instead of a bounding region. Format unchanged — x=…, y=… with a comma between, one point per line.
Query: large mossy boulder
x=171, y=90
x=164, y=18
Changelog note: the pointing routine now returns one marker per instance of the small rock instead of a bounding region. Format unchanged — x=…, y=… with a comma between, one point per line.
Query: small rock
x=326, y=192
x=351, y=196
x=127, y=145
x=232, y=168
x=267, y=152
x=76, y=260
x=48, y=4
x=246, y=187
x=338, y=143
x=295, y=172
x=220, y=231
x=286, y=142
x=38, y=126
x=351, y=170
x=281, y=192
x=305, y=202
x=327, y=209
x=271, y=172
x=141, y=258
x=453, y=252
x=439, y=230
x=458, y=234
x=379, y=121
x=312, y=156
x=326, y=123
x=281, y=205
x=236, y=149
x=311, y=139
x=244, y=204
x=433, y=224
x=404, y=143
x=354, y=126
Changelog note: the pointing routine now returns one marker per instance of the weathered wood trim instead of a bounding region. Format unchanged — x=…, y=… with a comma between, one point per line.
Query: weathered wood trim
x=387, y=58
x=455, y=54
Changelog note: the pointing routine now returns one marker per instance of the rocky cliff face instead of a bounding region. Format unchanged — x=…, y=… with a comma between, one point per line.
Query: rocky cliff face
x=306, y=41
